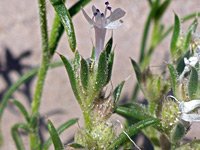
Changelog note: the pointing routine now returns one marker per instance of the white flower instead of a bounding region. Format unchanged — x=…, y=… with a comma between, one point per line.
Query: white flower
x=186, y=109
x=189, y=63
x=101, y=23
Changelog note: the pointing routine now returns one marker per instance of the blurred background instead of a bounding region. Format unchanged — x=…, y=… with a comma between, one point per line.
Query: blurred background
x=20, y=51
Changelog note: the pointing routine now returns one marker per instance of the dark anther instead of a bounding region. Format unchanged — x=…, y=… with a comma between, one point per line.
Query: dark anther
x=107, y=3
x=109, y=8
x=121, y=21
x=102, y=15
x=97, y=10
x=95, y=13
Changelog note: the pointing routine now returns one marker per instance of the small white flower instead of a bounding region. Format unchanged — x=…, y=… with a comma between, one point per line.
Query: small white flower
x=101, y=23
x=186, y=109
x=189, y=63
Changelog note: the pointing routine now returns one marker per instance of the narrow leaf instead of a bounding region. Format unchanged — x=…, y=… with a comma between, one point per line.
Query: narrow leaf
x=54, y=136
x=102, y=72
x=22, y=109
x=65, y=19
x=137, y=70
x=72, y=77
x=58, y=29
x=16, y=135
x=56, y=33
x=162, y=8
x=175, y=36
x=84, y=74
x=60, y=129
x=133, y=129
x=109, y=47
x=75, y=146
x=135, y=112
x=110, y=66
x=34, y=120
x=193, y=26
x=193, y=84
x=92, y=59
x=173, y=75
x=117, y=92
x=76, y=60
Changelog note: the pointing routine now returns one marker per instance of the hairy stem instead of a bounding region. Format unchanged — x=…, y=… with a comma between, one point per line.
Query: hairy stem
x=34, y=139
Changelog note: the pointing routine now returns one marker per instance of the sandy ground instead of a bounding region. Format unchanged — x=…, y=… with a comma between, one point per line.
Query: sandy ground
x=19, y=32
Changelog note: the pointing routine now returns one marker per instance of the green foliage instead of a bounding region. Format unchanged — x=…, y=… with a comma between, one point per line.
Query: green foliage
x=65, y=19
x=54, y=136
x=89, y=80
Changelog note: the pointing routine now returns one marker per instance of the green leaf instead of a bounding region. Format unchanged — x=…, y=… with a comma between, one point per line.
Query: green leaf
x=193, y=26
x=161, y=9
x=109, y=47
x=178, y=132
x=76, y=60
x=34, y=120
x=146, y=29
x=117, y=92
x=102, y=72
x=58, y=29
x=65, y=19
x=77, y=6
x=72, y=77
x=133, y=129
x=16, y=135
x=54, y=136
x=175, y=37
x=60, y=129
x=135, y=112
x=22, y=109
x=84, y=74
x=56, y=33
x=110, y=66
x=75, y=146
x=137, y=70
x=173, y=75
x=92, y=59
x=193, y=84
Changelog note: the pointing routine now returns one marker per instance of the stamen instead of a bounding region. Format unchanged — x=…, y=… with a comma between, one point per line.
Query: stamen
x=102, y=15
x=97, y=10
x=107, y=3
x=109, y=8
x=95, y=13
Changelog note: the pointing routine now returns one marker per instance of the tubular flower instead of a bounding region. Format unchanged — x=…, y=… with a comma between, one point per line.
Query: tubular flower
x=101, y=23
x=186, y=109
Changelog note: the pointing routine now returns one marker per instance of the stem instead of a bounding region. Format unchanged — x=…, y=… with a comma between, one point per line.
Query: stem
x=144, y=42
x=45, y=58
x=34, y=138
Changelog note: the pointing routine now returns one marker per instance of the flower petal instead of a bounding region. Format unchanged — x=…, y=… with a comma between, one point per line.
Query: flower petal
x=114, y=25
x=116, y=14
x=187, y=107
x=190, y=117
x=87, y=17
x=97, y=17
x=94, y=10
